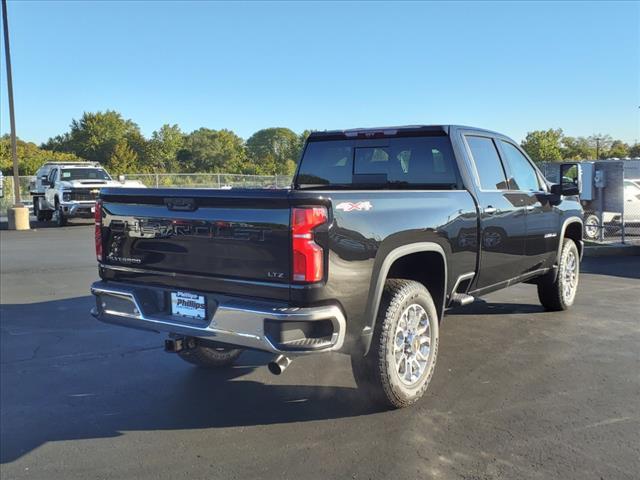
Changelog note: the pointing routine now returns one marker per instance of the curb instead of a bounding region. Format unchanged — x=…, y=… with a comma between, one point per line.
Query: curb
x=611, y=250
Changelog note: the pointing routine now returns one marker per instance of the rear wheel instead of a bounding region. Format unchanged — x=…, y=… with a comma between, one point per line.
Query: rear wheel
x=398, y=368
x=210, y=357
x=41, y=215
x=559, y=293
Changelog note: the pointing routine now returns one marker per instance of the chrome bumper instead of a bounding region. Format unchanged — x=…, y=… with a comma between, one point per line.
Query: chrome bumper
x=233, y=321
x=77, y=208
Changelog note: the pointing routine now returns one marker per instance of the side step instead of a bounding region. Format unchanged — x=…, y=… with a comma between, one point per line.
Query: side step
x=461, y=299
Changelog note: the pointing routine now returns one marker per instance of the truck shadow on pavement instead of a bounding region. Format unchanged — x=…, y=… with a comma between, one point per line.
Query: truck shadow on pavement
x=35, y=224
x=66, y=376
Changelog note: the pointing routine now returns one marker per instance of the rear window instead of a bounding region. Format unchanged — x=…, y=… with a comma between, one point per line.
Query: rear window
x=411, y=162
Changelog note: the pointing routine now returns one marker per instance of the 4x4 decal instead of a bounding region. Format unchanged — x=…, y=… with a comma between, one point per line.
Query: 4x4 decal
x=357, y=206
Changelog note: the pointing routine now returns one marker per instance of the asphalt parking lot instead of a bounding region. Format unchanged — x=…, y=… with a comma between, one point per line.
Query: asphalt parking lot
x=518, y=392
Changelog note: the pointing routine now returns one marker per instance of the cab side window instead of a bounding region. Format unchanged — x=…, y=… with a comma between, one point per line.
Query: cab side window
x=524, y=176
x=488, y=165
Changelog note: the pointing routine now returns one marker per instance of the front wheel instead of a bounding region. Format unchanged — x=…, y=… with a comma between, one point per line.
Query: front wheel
x=591, y=227
x=559, y=293
x=398, y=368
x=210, y=357
x=41, y=215
x=60, y=218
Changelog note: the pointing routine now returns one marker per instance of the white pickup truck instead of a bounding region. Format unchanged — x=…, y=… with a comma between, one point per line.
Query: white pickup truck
x=64, y=190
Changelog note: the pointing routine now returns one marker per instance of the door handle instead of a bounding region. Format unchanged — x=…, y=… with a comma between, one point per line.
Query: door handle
x=489, y=210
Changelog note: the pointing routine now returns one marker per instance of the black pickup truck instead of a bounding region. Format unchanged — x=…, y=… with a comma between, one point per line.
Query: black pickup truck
x=381, y=232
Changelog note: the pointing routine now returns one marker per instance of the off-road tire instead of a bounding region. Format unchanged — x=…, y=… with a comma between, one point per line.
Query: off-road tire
x=210, y=357
x=551, y=290
x=376, y=373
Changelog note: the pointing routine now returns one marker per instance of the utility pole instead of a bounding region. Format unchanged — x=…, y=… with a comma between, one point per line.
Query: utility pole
x=19, y=214
x=12, y=118
x=597, y=139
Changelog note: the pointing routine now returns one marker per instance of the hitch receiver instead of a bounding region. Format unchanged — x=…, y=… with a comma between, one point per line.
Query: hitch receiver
x=175, y=345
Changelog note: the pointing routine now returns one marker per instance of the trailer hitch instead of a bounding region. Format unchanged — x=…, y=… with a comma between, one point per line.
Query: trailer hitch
x=179, y=344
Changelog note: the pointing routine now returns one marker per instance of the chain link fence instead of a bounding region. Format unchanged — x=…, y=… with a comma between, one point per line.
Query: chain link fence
x=7, y=197
x=210, y=180
x=164, y=180
x=612, y=210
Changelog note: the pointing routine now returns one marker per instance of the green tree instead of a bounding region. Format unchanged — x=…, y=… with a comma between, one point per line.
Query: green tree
x=618, y=149
x=600, y=144
x=543, y=145
x=30, y=156
x=206, y=150
x=577, y=148
x=95, y=135
x=163, y=148
x=634, y=150
x=59, y=143
x=123, y=159
x=274, y=151
x=140, y=145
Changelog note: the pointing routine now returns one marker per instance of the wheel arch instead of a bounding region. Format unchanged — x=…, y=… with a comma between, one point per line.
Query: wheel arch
x=572, y=228
x=416, y=261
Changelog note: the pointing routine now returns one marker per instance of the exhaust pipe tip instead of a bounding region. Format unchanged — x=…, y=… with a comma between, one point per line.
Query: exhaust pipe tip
x=279, y=364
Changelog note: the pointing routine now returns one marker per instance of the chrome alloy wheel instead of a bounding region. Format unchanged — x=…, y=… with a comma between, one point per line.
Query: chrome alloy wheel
x=570, y=277
x=412, y=345
x=591, y=227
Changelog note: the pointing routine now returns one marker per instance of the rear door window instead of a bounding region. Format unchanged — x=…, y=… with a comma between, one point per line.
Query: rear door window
x=487, y=161
x=419, y=161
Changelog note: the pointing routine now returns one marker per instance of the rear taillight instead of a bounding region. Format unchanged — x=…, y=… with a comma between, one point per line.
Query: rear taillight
x=308, y=261
x=98, y=233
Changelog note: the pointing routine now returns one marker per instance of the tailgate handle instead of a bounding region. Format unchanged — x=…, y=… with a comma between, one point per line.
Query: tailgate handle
x=181, y=204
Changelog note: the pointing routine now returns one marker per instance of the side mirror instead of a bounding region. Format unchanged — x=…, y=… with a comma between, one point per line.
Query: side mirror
x=569, y=180
x=121, y=178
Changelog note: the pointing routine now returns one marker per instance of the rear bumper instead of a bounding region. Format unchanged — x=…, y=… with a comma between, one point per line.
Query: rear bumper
x=230, y=320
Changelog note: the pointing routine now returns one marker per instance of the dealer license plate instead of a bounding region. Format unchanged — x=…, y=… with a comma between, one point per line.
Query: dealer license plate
x=184, y=304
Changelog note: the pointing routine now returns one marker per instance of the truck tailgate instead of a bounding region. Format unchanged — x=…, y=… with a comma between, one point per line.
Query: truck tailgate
x=240, y=236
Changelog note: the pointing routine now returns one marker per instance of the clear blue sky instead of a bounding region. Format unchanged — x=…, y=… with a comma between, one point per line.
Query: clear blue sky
x=511, y=67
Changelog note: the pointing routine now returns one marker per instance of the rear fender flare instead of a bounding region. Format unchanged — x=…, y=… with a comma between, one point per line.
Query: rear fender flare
x=379, y=278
